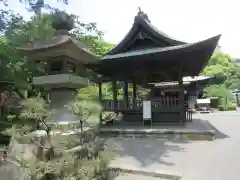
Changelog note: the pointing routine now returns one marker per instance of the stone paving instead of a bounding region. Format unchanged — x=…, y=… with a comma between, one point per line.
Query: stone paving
x=198, y=160
x=193, y=127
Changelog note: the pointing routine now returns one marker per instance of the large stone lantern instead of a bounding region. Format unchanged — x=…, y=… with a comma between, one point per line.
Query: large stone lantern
x=64, y=58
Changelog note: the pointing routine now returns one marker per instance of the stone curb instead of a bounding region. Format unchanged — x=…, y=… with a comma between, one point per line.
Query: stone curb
x=165, y=133
x=158, y=173
x=153, y=131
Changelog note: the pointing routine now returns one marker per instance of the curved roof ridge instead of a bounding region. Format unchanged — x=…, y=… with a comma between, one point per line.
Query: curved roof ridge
x=157, y=31
x=124, y=40
x=142, y=20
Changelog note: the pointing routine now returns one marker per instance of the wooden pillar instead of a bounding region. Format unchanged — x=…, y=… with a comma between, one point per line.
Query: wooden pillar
x=64, y=66
x=237, y=99
x=100, y=89
x=126, y=93
x=100, y=94
x=48, y=68
x=181, y=97
x=134, y=98
x=114, y=87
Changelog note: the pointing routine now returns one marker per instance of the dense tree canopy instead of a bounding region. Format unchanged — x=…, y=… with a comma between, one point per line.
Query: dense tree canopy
x=16, y=31
x=227, y=75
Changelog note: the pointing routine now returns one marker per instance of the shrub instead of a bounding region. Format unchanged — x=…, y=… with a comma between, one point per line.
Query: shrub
x=227, y=107
x=231, y=106
x=109, y=116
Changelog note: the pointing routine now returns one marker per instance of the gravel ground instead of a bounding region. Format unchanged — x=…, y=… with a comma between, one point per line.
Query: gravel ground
x=198, y=160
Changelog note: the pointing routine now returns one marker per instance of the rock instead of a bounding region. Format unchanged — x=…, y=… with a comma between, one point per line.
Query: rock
x=10, y=171
x=17, y=151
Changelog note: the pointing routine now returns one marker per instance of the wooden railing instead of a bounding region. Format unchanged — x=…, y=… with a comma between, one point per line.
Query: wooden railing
x=165, y=102
x=156, y=103
x=189, y=116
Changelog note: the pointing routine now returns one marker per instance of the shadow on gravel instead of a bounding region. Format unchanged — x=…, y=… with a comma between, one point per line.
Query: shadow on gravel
x=218, y=133
x=148, y=151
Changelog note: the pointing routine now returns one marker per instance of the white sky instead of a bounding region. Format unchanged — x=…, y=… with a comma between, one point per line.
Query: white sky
x=186, y=20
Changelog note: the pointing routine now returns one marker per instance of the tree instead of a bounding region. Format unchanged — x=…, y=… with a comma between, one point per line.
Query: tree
x=35, y=6
x=18, y=32
x=219, y=66
x=86, y=106
x=226, y=73
x=97, y=45
x=220, y=91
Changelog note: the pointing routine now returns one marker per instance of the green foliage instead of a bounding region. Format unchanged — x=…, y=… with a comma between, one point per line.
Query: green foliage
x=225, y=105
x=18, y=32
x=35, y=108
x=219, y=66
x=227, y=76
x=90, y=162
x=97, y=45
x=69, y=167
x=220, y=91
x=40, y=26
x=91, y=92
x=224, y=69
x=88, y=93
x=36, y=6
x=34, y=111
x=109, y=116
x=87, y=110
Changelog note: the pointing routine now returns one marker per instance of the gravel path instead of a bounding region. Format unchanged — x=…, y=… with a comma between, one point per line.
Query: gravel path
x=208, y=160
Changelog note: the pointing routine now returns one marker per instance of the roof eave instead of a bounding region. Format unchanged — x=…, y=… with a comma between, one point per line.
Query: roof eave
x=208, y=42
x=38, y=47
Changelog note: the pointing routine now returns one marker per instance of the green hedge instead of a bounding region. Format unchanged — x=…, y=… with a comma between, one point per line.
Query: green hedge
x=227, y=107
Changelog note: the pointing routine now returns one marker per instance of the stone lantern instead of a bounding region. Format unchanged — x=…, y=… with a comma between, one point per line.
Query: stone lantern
x=64, y=59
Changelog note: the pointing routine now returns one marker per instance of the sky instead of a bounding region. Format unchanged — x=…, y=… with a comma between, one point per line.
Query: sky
x=185, y=20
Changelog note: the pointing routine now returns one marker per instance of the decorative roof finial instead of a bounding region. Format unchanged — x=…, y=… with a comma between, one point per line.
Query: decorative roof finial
x=139, y=10
x=62, y=21
x=142, y=14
